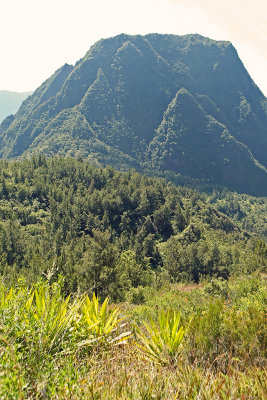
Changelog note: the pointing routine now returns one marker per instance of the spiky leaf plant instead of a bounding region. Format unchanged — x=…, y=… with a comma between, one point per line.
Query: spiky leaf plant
x=102, y=321
x=51, y=317
x=163, y=338
x=39, y=319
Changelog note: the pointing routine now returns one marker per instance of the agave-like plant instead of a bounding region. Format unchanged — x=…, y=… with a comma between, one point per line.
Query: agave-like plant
x=102, y=321
x=49, y=318
x=38, y=319
x=5, y=296
x=163, y=339
x=41, y=321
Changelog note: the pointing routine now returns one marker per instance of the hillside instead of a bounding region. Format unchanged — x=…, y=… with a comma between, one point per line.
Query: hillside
x=10, y=102
x=158, y=103
x=108, y=231
x=249, y=213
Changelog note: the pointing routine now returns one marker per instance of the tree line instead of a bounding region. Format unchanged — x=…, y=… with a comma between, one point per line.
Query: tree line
x=109, y=232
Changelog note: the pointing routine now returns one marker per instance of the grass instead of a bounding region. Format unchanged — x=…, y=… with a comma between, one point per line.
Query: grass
x=52, y=347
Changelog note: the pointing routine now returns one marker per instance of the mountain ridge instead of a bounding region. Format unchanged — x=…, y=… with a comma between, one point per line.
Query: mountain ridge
x=123, y=88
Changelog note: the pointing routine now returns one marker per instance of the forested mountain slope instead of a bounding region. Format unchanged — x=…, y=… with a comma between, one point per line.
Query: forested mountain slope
x=184, y=104
x=250, y=213
x=109, y=231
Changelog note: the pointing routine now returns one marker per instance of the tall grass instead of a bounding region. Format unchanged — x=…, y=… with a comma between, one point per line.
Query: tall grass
x=56, y=347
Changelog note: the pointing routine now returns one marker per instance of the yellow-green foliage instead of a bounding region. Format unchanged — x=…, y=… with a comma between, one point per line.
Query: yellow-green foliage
x=53, y=347
x=39, y=321
x=102, y=321
x=163, y=338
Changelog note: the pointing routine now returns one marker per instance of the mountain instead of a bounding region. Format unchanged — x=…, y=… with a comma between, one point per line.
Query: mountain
x=10, y=102
x=183, y=105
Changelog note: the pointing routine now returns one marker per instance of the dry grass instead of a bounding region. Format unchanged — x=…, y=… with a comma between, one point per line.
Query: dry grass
x=221, y=358
x=122, y=373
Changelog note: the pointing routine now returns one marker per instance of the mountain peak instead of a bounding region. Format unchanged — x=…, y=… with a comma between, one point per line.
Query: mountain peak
x=184, y=104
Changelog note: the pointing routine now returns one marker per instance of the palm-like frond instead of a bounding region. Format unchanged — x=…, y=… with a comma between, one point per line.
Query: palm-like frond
x=162, y=340
x=102, y=321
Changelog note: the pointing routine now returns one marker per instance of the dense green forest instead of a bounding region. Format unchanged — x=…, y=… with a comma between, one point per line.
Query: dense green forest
x=250, y=213
x=115, y=233
x=163, y=103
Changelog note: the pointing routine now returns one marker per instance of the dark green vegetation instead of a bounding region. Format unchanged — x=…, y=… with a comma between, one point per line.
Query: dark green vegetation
x=53, y=347
x=114, y=233
x=158, y=103
x=250, y=213
x=10, y=102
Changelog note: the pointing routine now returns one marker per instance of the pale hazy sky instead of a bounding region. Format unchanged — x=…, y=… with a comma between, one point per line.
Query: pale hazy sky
x=38, y=36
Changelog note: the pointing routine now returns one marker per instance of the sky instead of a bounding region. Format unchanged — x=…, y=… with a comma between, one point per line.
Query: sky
x=39, y=36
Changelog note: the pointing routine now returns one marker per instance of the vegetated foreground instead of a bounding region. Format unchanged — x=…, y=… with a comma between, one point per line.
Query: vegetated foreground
x=211, y=344
x=133, y=239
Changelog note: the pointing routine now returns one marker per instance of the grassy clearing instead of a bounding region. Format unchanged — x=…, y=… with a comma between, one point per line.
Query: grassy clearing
x=203, y=342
